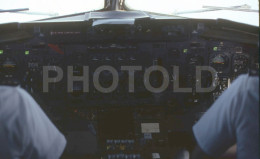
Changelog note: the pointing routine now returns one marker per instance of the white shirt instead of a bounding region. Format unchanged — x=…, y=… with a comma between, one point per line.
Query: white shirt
x=233, y=118
x=25, y=131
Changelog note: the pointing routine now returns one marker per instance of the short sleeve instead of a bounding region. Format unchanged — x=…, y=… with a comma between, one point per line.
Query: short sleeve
x=30, y=134
x=215, y=131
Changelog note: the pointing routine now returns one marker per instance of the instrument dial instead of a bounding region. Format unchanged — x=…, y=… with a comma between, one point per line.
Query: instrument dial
x=240, y=63
x=219, y=61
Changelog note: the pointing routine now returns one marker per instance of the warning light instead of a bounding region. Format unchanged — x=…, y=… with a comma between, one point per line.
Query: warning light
x=185, y=51
x=1, y=52
x=27, y=52
x=215, y=48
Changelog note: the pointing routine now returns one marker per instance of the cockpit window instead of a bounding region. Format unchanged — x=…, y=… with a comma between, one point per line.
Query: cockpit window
x=39, y=9
x=244, y=11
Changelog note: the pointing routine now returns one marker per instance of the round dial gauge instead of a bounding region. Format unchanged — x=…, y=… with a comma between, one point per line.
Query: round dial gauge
x=240, y=63
x=219, y=61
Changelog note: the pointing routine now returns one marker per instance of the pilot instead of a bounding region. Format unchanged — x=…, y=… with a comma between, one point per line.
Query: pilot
x=25, y=131
x=232, y=119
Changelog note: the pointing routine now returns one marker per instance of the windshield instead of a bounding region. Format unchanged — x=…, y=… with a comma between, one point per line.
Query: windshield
x=195, y=8
x=39, y=9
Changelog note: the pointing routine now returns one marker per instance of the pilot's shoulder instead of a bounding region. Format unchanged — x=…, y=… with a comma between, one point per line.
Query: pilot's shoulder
x=247, y=80
x=247, y=83
x=12, y=93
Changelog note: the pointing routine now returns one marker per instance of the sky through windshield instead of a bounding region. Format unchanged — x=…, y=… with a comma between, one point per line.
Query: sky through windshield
x=46, y=8
x=40, y=9
x=175, y=6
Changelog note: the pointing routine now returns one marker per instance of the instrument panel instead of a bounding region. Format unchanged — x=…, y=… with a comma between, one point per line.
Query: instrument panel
x=123, y=124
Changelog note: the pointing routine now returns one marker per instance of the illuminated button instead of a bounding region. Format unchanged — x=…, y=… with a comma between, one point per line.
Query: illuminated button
x=27, y=52
x=185, y=51
x=215, y=48
x=1, y=52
